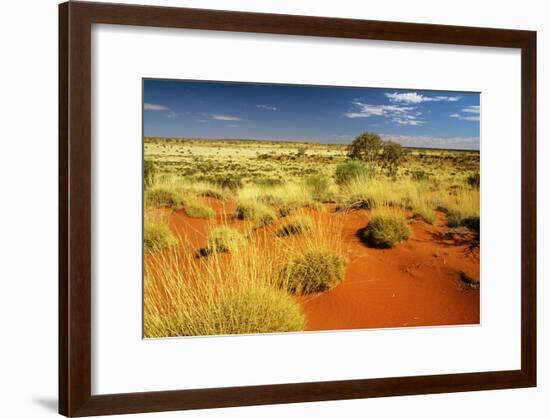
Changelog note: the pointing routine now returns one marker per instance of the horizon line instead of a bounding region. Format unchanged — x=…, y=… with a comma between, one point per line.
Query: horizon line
x=299, y=141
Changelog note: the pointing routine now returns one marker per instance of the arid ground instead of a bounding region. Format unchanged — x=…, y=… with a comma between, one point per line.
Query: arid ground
x=258, y=236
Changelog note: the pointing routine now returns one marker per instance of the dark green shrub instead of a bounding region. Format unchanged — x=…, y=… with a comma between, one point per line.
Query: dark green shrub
x=365, y=147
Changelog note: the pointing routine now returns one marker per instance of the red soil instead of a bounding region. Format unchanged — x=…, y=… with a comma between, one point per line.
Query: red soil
x=416, y=283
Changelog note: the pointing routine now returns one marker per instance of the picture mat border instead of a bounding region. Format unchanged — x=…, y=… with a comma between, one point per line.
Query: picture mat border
x=75, y=20
x=294, y=357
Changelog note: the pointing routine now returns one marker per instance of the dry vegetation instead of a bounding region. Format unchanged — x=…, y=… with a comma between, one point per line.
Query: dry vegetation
x=247, y=279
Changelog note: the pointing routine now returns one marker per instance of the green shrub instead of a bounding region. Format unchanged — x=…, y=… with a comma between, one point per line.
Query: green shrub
x=259, y=213
x=248, y=310
x=296, y=226
x=386, y=229
x=351, y=170
x=319, y=186
x=313, y=271
x=366, y=147
x=157, y=236
x=224, y=238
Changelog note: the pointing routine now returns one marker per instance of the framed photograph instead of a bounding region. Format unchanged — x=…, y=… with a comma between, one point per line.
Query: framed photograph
x=259, y=209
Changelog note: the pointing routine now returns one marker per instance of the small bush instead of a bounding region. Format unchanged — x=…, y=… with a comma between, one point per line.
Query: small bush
x=157, y=236
x=259, y=213
x=386, y=229
x=232, y=183
x=351, y=170
x=164, y=197
x=299, y=225
x=473, y=180
x=198, y=210
x=149, y=173
x=223, y=238
x=313, y=271
x=319, y=186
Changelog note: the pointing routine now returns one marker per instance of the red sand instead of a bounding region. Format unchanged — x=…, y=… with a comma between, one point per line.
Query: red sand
x=417, y=283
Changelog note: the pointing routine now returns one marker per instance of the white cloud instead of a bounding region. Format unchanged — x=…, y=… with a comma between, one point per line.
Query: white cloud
x=463, y=143
x=414, y=97
x=471, y=111
x=402, y=115
x=266, y=107
x=225, y=118
x=154, y=107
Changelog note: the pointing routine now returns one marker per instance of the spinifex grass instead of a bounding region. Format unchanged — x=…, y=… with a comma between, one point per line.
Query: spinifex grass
x=219, y=294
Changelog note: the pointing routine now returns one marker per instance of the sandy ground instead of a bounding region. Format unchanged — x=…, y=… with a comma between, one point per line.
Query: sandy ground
x=416, y=283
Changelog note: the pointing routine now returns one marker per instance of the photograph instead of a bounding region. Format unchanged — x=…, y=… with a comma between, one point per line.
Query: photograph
x=275, y=208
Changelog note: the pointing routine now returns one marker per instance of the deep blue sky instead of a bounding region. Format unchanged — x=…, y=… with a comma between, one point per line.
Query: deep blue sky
x=202, y=109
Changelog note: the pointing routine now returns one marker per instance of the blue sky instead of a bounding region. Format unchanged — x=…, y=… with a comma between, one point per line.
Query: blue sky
x=204, y=109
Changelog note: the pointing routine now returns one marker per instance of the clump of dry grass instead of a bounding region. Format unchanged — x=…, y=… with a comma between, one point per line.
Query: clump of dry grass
x=257, y=212
x=315, y=260
x=224, y=238
x=299, y=225
x=197, y=209
x=386, y=228
x=313, y=271
x=156, y=233
x=221, y=294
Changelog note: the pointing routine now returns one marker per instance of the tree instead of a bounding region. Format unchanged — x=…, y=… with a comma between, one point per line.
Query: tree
x=366, y=147
x=392, y=154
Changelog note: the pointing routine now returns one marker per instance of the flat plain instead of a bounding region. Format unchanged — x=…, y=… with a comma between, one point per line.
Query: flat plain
x=245, y=236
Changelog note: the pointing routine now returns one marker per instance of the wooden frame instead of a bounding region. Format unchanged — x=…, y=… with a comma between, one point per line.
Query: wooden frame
x=75, y=22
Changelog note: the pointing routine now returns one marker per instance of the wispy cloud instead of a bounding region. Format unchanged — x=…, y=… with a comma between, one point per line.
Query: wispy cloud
x=415, y=97
x=472, y=114
x=225, y=118
x=466, y=143
x=154, y=107
x=402, y=115
x=266, y=107
x=471, y=109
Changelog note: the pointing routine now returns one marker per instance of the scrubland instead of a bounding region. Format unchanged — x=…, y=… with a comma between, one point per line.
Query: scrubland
x=245, y=237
